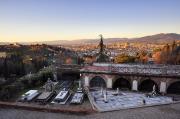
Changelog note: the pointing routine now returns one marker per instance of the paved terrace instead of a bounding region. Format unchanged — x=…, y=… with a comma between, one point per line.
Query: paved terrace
x=125, y=100
x=134, y=69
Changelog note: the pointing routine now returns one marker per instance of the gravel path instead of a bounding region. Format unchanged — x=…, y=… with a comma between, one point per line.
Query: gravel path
x=158, y=112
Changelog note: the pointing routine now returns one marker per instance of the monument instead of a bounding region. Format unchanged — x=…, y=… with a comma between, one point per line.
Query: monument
x=49, y=86
x=102, y=56
x=154, y=91
x=55, y=76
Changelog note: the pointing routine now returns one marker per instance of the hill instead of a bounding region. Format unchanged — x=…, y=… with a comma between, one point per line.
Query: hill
x=154, y=39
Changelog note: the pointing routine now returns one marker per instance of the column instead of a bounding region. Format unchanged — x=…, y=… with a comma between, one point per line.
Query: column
x=109, y=83
x=86, y=81
x=135, y=85
x=163, y=87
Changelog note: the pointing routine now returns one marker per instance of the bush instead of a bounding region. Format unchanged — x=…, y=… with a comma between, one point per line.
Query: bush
x=37, y=79
x=9, y=91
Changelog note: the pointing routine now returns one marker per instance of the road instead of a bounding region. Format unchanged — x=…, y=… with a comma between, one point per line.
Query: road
x=157, y=112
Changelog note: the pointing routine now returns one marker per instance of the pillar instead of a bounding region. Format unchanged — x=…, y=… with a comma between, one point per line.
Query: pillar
x=109, y=83
x=163, y=87
x=134, y=85
x=86, y=81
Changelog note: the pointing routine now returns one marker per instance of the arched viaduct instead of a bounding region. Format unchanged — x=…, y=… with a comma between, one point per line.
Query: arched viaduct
x=133, y=77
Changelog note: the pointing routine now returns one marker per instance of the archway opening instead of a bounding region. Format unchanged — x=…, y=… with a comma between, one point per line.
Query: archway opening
x=122, y=84
x=174, y=88
x=147, y=86
x=97, y=82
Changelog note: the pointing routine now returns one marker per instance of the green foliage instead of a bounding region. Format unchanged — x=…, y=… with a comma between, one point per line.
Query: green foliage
x=25, y=82
x=9, y=91
x=13, y=64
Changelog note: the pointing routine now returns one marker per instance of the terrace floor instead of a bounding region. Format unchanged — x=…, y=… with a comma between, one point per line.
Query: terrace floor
x=125, y=100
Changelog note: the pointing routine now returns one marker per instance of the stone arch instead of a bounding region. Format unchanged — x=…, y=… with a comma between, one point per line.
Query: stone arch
x=174, y=88
x=129, y=78
x=70, y=75
x=154, y=79
x=170, y=81
x=121, y=83
x=147, y=85
x=97, y=81
x=91, y=76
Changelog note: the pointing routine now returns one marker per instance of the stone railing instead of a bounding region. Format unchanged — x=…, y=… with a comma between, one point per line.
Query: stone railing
x=146, y=70
x=167, y=70
x=71, y=66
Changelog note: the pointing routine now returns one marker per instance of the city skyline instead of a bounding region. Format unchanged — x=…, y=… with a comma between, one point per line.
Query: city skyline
x=31, y=21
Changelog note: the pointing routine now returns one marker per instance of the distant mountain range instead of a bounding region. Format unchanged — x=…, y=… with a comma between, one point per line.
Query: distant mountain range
x=158, y=38
x=154, y=39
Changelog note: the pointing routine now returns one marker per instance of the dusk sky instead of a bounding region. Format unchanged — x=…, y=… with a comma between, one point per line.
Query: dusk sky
x=43, y=20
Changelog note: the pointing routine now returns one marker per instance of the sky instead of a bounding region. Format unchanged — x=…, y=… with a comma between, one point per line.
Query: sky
x=48, y=20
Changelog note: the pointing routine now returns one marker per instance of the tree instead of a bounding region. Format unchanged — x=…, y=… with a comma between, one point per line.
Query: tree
x=124, y=59
x=5, y=69
x=170, y=54
x=142, y=57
